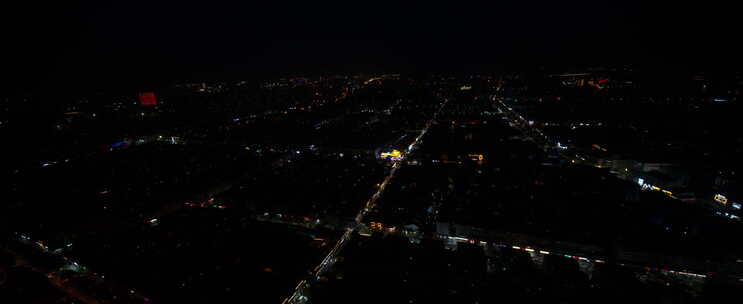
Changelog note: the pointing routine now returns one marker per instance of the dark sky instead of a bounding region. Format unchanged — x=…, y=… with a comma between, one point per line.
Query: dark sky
x=131, y=43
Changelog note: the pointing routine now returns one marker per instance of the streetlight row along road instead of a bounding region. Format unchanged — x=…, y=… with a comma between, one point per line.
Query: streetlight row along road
x=298, y=294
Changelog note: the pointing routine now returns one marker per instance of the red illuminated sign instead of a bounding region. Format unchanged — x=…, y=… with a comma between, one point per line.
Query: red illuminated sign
x=147, y=99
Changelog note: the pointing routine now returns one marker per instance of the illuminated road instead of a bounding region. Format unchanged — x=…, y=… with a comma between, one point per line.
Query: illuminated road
x=540, y=138
x=298, y=296
x=578, y=257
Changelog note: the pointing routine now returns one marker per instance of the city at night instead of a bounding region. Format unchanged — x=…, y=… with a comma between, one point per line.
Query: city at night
x=309, y=153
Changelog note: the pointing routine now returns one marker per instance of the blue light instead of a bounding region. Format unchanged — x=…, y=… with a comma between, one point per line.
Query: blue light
x=119, y=144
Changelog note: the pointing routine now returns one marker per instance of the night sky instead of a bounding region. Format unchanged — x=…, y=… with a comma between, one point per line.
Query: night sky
x=80, y=46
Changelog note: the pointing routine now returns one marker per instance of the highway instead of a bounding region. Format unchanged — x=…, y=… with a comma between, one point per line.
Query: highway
x=298, y=296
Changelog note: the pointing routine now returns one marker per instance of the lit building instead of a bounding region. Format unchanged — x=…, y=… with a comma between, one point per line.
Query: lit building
x=394, y=155
x=478, y=157
x=721, y=199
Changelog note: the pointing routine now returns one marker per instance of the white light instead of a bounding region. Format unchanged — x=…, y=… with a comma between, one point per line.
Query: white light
x=640, y=181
